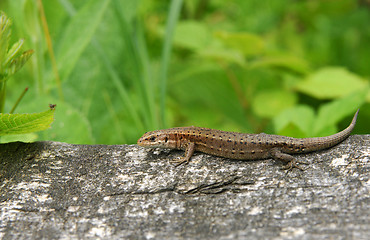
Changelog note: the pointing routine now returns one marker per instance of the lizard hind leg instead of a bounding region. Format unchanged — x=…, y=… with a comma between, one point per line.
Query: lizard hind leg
x=289, y=159
x=186, y=158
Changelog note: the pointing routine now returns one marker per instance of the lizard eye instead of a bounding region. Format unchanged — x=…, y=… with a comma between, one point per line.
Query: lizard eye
x=166, y=139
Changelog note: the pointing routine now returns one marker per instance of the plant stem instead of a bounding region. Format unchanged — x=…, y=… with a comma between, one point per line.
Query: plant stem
x=2, y=95
x=50, y=47
x=18, y=100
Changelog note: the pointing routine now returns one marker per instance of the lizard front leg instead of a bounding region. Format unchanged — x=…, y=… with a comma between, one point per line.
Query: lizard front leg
x=289, y=159
x=188, y=153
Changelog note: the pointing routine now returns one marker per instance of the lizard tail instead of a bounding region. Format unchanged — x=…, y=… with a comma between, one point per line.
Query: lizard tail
x=320, y=143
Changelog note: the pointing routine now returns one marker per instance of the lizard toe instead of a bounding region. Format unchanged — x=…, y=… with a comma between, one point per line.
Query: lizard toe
x=293, y=164
x=179, y=161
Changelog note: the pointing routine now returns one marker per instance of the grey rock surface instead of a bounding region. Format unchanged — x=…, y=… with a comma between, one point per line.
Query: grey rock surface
x=55, y=190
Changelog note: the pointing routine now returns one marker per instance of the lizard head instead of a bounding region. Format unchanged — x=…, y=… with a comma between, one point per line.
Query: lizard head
x=157, y=139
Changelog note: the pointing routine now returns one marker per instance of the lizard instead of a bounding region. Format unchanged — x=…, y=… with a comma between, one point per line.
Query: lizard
x=241, y=146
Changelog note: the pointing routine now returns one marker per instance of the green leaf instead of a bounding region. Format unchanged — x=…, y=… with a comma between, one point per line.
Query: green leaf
x=27, y=137
x=295, y=122
x=331, y=82
x=14, y=52
x=78, y=34
x=21, y=123
x=185, y=32
x=70, y=124
x=247, y=43
x=291, y=63
x=5, y=31
x=270, y=103
x=301, y=121
x=220, y=54
x=17, y=63
x=331, y=113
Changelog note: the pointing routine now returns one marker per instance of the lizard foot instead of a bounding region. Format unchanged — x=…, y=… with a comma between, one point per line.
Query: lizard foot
x=289, y=159
x=179, y=161
x=188, y=153
x=293, y=164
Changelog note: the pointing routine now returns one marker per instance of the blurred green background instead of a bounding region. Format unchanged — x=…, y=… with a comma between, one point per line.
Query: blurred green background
x=124, y=67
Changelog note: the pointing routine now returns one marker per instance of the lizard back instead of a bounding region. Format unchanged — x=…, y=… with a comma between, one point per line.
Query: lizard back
x=239, y=145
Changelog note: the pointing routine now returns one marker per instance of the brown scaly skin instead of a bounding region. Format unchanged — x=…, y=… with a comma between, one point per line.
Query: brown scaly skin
x=240, y=145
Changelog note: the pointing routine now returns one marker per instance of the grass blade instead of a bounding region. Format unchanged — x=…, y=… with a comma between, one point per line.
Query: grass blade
x=78, y=35
x=170, y=28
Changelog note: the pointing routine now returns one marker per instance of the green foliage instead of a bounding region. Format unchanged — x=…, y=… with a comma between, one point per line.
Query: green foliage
x=283, y=62
x=246, y=43
x=77, y=35
x=79, y=129
x=11, y=61
x=25, y=123
x=278, y=100
x=302, y=122
x=130, y=66
x=331, y=83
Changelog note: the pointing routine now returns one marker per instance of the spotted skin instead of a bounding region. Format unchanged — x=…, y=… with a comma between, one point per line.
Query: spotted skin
x=236, y=145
